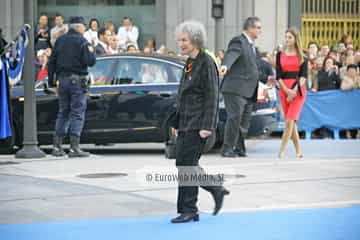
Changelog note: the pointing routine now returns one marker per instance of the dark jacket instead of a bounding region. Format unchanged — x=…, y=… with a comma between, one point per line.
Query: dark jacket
x=72, y=53
x=198, y=95
x=243, y=74
x=42, y=40
x=327, y=81
x=99, y=50
x=265, y=70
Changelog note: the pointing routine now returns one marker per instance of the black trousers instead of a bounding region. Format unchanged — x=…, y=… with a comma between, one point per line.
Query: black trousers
x=238, y=111
x=189, y=146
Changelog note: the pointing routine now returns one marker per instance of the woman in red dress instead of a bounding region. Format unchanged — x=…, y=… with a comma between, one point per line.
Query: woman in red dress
x=291, y=72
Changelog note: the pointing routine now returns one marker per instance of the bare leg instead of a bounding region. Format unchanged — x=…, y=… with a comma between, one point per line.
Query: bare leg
x=296, y=140
x=287, y=134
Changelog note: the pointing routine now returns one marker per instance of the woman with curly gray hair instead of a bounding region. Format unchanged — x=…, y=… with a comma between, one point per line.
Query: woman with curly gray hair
x=197, y=109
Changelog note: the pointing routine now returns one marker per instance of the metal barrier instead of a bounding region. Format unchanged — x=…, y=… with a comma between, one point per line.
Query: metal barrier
x=325, y=21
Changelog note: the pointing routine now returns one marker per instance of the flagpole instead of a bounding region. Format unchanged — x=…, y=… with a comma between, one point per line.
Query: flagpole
x=30, y=141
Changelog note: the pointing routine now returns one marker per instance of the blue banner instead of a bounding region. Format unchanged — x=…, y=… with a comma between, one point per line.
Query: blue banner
x=5, y=125
x=333, y=109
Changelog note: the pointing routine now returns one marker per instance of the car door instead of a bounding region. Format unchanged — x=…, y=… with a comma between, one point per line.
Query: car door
x=139, y=92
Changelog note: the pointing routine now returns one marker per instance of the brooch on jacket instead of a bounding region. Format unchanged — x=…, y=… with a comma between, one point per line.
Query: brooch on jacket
x=187, y=70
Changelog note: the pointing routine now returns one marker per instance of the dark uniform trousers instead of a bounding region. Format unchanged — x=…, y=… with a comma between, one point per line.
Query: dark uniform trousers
x=189, y=146
x=72, y=106
x=238, y=110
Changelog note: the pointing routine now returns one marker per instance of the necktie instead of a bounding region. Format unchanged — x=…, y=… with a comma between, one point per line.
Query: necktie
x=253, y=48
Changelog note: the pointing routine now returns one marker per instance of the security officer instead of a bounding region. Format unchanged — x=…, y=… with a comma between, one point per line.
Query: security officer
x=71, y=56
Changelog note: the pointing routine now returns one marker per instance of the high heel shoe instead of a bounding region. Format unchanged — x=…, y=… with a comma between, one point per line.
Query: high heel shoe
x=281, y=155
x=299, y=155
x=186, y=217
x=219, y=199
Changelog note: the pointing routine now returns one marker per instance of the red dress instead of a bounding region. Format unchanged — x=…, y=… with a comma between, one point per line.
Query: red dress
x=291, y=64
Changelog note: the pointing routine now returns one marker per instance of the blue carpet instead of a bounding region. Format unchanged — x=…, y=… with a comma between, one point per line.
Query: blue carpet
x=309, y=224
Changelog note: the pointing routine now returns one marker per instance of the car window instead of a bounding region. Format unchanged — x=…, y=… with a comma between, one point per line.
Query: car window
x=134, y=71
x=176, y=72
x=103, y=71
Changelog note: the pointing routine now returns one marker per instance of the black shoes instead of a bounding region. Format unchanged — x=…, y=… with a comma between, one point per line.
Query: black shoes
x=75, y=150
x=57, y=150
x=240, y=152
x=219, y=199
x=229, y=153
x=234, y=153
x=186, y=217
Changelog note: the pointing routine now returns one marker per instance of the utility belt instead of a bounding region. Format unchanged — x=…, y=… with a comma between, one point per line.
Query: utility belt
x=84, y=79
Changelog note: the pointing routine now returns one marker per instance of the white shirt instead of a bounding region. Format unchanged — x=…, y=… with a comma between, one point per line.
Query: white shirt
x=92, y=37
x=128, y=36
x=251, y=42
x=55, y=33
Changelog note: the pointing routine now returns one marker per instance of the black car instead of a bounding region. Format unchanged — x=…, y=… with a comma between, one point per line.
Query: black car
x=130, y=99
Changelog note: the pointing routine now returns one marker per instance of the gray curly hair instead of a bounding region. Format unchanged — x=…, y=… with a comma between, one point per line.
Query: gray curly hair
x=195, y=30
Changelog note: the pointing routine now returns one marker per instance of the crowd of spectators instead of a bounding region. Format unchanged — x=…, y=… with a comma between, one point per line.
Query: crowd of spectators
x=106, y=39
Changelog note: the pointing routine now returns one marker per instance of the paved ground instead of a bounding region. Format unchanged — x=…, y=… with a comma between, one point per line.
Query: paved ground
x=52, y=189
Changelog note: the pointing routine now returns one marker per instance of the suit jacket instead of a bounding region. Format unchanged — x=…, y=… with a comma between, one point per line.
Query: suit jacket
x=99, y=50
x=326, y=81
x=243, y=74
x=198, y=95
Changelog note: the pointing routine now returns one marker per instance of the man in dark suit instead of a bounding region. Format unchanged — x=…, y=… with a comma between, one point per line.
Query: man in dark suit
x=239, y=87
x=102, y=47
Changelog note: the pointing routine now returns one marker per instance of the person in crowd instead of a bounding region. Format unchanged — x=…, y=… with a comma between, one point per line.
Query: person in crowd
x=341, y=48
x=196, y=120
x=41, y=65
x=147, y=50
x=239, y=87
x=170, y=52
x=342, y=59
x=42, y=33
x=291, y=72
x=71, y=57
x=103, y=44
x=59, y=29
x=151, y=45
x=357, y=58
x=350, y=59
x=346, y=39
x=312, y=50
x=91, y=35
x=162, y=50
x=328, y=76
x=311, y=79
x=109, y=25
x=351, y=80
x=266, y=72
x=324, y=51
x=335, y=56
x=128, y=33
x=350, y=51
x=131, y=48
x=113, y=45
